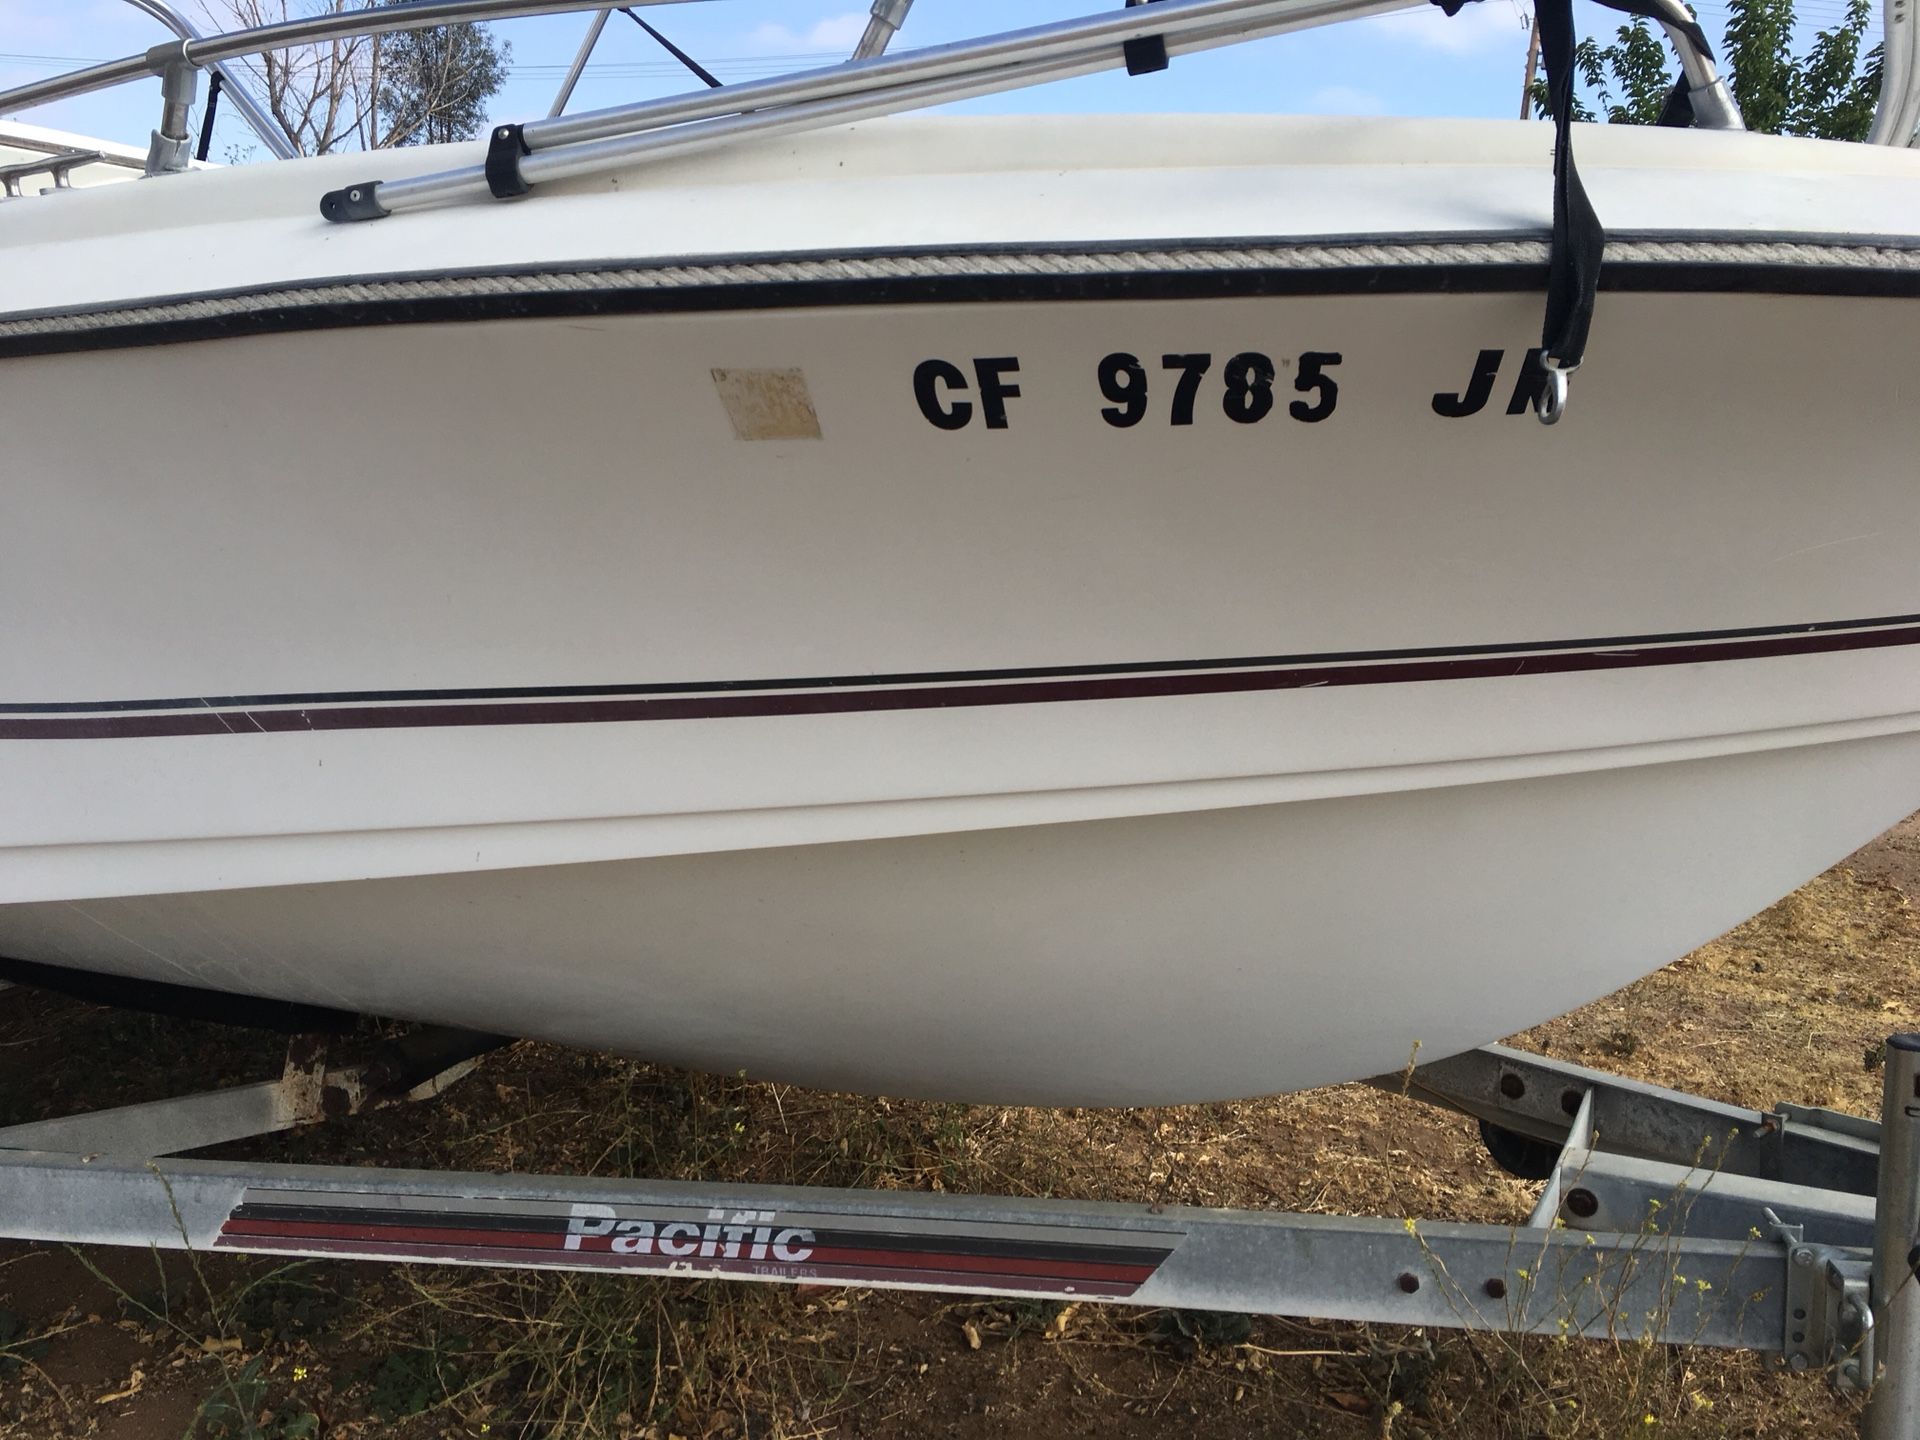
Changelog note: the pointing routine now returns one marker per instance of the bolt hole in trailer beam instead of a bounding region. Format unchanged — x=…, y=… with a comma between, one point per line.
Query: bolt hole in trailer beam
x=1829, y=1280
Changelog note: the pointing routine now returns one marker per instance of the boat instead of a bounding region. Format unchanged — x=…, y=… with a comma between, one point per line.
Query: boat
x=1075, y=610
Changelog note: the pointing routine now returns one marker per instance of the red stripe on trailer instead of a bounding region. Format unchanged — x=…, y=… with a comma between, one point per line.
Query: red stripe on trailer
x=813, y=1270
x=394, y=1234
x=483, y=1240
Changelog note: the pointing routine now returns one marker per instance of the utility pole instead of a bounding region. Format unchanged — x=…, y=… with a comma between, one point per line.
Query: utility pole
x=1533, y=60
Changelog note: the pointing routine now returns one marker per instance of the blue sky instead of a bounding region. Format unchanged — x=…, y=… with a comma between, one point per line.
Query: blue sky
x=1417, y=63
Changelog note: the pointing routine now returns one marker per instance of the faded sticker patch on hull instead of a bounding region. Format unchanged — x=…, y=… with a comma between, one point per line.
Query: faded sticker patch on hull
x=768, y=404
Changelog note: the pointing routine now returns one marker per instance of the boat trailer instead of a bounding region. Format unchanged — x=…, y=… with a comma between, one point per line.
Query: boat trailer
x=1664, y=1216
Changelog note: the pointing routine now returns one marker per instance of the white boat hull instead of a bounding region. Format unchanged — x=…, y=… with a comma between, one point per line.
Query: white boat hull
x=1150, y=960
x=525, y=676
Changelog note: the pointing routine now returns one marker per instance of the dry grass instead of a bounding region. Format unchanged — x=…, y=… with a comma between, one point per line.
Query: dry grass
x=1787, y=1006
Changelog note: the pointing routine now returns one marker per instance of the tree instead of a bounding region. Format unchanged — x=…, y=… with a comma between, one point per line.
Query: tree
x=1637, y=64
x=1832, y=95
x=367, y=92
x=1827, y=93
x=434, y=84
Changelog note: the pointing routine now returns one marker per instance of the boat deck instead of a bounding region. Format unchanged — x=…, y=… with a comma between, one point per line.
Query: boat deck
x=976, y=182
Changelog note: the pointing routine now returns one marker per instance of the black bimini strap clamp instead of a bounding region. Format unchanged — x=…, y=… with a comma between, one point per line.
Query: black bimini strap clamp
x=504, y=148
x=1147, y=54
x=354, y=202
x=1573, y=262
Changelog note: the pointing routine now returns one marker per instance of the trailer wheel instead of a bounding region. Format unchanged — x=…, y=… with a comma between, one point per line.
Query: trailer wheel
x=1521, y=1156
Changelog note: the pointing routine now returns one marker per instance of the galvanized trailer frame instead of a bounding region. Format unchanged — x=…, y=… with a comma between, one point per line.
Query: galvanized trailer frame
x=1665, y=1216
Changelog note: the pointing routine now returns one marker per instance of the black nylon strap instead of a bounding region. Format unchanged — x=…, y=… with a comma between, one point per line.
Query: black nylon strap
x=206, y=118
x=1573, y=264
x=1677, y=113
x=700, y=71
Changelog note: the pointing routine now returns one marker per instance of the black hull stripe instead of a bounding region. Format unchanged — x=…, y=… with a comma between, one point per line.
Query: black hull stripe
x=951, y=690
x=270, y=319
x=1854, y=269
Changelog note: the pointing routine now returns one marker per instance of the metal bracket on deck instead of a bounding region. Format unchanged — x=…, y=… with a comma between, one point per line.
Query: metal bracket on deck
x=57, y=166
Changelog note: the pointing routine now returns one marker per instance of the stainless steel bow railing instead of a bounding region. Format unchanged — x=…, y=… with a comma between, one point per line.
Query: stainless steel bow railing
x=175, y=63
x=1898, y=114
x=209, y=50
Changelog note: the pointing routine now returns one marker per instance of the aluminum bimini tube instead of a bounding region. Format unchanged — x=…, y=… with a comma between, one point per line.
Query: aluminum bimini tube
x=309, y=30
x=571, y=161
x=857, y=91
x=76, y=82
x=887, y=18
x=1714, y=107
x=1895, y=117
x=1170, y=18
x=579, y=63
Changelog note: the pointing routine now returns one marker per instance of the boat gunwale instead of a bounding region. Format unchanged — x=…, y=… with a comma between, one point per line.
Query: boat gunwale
x=1884, y=266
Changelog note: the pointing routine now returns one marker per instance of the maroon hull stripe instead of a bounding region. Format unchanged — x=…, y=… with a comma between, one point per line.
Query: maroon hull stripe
x=851, y=695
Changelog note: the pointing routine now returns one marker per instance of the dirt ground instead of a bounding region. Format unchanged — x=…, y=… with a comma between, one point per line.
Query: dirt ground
x=130, y=1346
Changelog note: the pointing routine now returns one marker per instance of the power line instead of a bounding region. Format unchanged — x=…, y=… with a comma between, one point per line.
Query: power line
x=723, y=62
x=753, y=64
x=49, y=60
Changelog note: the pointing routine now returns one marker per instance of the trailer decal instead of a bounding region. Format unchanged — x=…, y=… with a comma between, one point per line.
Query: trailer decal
x=750, y=1242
